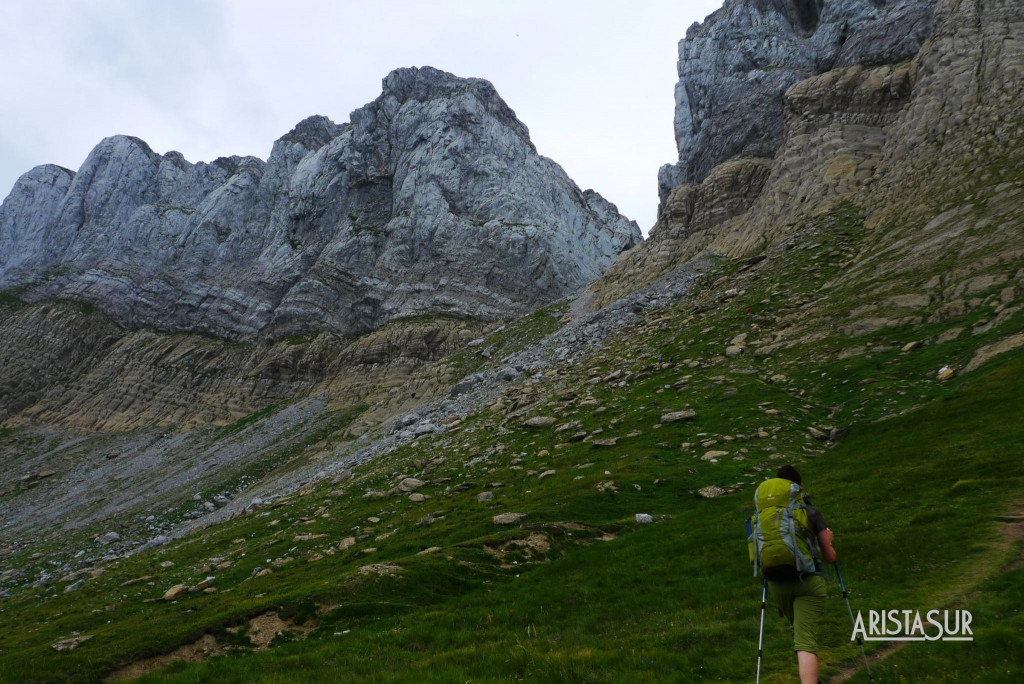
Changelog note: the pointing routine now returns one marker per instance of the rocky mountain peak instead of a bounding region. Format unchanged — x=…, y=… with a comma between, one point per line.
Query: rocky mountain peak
x=313, y=132
x=431, y=200
x=424, y=84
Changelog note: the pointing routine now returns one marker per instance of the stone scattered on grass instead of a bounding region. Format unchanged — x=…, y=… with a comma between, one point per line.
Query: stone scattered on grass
x=817, y=434
x=711, y=491
x=410, y=484
x=539, y=422
x=175, y=592
x=712, y=455
x=644, y=518
x=485, y=496
x=108, y=538
x=677, y=416
x=71, y=643
x=137, y=580
x=508, y=518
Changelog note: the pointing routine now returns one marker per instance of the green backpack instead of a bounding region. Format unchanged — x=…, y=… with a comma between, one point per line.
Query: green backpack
x=779, y=540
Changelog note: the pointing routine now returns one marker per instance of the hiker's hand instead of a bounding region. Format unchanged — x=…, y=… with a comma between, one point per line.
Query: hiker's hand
x=827, y=536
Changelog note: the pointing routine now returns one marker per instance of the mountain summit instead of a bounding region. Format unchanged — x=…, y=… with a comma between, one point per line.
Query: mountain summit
x=430, y=200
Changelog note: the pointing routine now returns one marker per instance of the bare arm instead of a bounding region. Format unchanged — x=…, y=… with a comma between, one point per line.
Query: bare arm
x=825, y=538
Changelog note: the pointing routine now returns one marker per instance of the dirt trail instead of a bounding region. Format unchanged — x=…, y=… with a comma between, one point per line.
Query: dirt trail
x=1011, y=532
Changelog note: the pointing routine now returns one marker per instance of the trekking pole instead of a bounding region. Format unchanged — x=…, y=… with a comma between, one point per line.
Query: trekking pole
x=760, y=636
x=860, y=642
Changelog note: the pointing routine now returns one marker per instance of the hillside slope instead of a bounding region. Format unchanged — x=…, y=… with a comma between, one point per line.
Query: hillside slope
x=853, y=305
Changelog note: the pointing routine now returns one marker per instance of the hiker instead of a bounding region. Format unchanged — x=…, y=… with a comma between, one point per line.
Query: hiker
x=789, y=542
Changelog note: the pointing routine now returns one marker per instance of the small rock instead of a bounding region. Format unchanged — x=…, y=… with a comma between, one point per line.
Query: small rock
x=711, y=491
x=484, y=497
x=677, y=416
x=910, y=346
x=713, y=455
x=546, y=473
x=68, y=645
x=644, y=518
x=175, y=592
x=416, y=497
x=108, y=538
x=156, y=541
x=607, y=486
x=508, y=518
x=427, y=550
x=945, y=373
x=817, y=434
x=539, y=422
x=346, y=543
x=410, y=484
x=137, y=580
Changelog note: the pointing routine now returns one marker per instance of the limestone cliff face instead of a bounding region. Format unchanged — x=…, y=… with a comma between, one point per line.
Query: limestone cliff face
x=735, y=68
x=430, y=200
x=887, y=137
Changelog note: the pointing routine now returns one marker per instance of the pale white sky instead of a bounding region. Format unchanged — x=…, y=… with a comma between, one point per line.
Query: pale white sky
x=593, y=80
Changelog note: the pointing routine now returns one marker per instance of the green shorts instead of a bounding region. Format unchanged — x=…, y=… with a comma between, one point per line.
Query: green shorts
x=802, y=603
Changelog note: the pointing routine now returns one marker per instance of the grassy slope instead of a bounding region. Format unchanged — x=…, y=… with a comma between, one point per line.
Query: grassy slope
x=914, y=500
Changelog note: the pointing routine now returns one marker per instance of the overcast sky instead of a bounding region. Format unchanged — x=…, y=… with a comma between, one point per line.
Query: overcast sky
x=592, y=80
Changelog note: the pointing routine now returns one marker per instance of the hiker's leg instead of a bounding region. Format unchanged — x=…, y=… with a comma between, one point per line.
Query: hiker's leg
x=782, y=592
x=808, y=663
x=808, y=607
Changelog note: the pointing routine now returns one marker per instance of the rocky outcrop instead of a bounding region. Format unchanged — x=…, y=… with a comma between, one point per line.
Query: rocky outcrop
x=887, y=137
x=87, y=374
x=735, y=67
x=688, y=222
x=430, y=200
